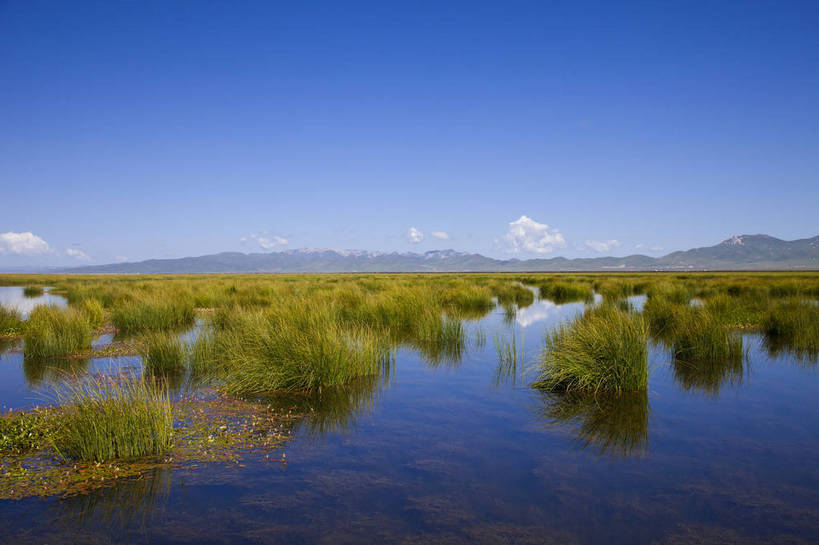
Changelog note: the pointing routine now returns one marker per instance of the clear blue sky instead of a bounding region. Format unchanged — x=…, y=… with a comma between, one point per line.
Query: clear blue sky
x=155, y=129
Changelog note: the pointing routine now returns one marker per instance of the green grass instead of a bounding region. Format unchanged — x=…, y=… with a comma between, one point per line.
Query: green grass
x=699, y=335
x=32, y=291
x=93, y=312
x=162, y=353
x=793, y=325
x=153, y=314
x=298, y=347
x=107, y=418
x=53, y=332
x=605, y=349
x=564, y=292
x=11, y=323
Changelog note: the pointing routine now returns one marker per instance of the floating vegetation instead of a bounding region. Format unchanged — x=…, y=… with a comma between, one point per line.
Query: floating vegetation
x=605, y=349
x=607, y=423
x=53, y=332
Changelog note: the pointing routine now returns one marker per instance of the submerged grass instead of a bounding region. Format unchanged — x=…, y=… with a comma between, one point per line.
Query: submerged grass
x=53, y=332
x=605, y=349
x=105, y=418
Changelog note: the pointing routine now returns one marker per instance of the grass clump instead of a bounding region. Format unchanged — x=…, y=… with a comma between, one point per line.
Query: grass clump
x=298, y=347
x=92, y=310
x=107, y=418
x=565, y=292
x=153, y=314
x=794, y=325
x=11, y=323
x=32, y=291
x=699, y=335
x=53, y=331
x=162, y=352
x=605, y=349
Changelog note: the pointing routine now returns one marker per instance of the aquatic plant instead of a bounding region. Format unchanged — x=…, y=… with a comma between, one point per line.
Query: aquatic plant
x=11, y=323
x=92, y=310
x=153, y=314
x=104, y=418
x=699, y=335
x=32, y=291
x=793, y=325
x=563, y=292
x=603, y=349
x=53, y=331
x=21, y=432
x=162, y=352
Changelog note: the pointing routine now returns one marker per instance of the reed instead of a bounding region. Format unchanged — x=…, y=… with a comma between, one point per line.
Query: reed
x=162, y=352
x=794, y=325
x=92, y=310
x=699, y=335
x=605, y=349
x=32, y=291
x=53, y=331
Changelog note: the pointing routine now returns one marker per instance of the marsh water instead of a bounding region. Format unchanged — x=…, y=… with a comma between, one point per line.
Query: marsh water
x=463, y=451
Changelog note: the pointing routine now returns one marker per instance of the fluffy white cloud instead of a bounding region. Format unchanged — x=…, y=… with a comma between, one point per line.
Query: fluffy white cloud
x=22, y=244
x=442, y=235
x=527, y=235
x=268, y=242
x=602, y=245
x=414, y=235
x=78, y=254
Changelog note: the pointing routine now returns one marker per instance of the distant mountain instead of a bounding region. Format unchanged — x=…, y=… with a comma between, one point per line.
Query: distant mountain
x=743, y=252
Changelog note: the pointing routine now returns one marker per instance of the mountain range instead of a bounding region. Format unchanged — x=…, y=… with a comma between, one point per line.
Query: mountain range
x=742, y=252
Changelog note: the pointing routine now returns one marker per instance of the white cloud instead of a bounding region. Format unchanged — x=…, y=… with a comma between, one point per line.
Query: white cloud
x=268, y=242
x=653, y=249
x=22, y=244
x=442, y=235
x=414, y=235
x=527, y=235
x=78, y=254
x=121, y=259
x=602, y=245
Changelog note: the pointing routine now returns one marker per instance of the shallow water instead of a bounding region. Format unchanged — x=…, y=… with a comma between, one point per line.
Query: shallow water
x=12, y=297
x=461, y=453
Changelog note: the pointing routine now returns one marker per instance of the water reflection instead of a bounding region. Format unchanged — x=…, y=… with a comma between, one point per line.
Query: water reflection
x=804, y=353
x=40, y=371
x=333, y=410
x=708, y=376
x=131, y=503
x=608, y=424
x=13, y=297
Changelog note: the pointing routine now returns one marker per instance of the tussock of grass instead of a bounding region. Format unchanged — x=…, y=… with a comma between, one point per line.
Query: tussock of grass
x=699, y=335
x=153, y=314
x=564, y=292
x=794, y=325
x=162, y=353
x=11, y=323
x=299, y=347
x=32, y=291
x=105, y=418
x=53, y=331
x=92, y=310
x=605, y=349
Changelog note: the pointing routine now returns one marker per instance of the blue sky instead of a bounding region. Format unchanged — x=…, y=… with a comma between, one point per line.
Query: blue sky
x=134, y=130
